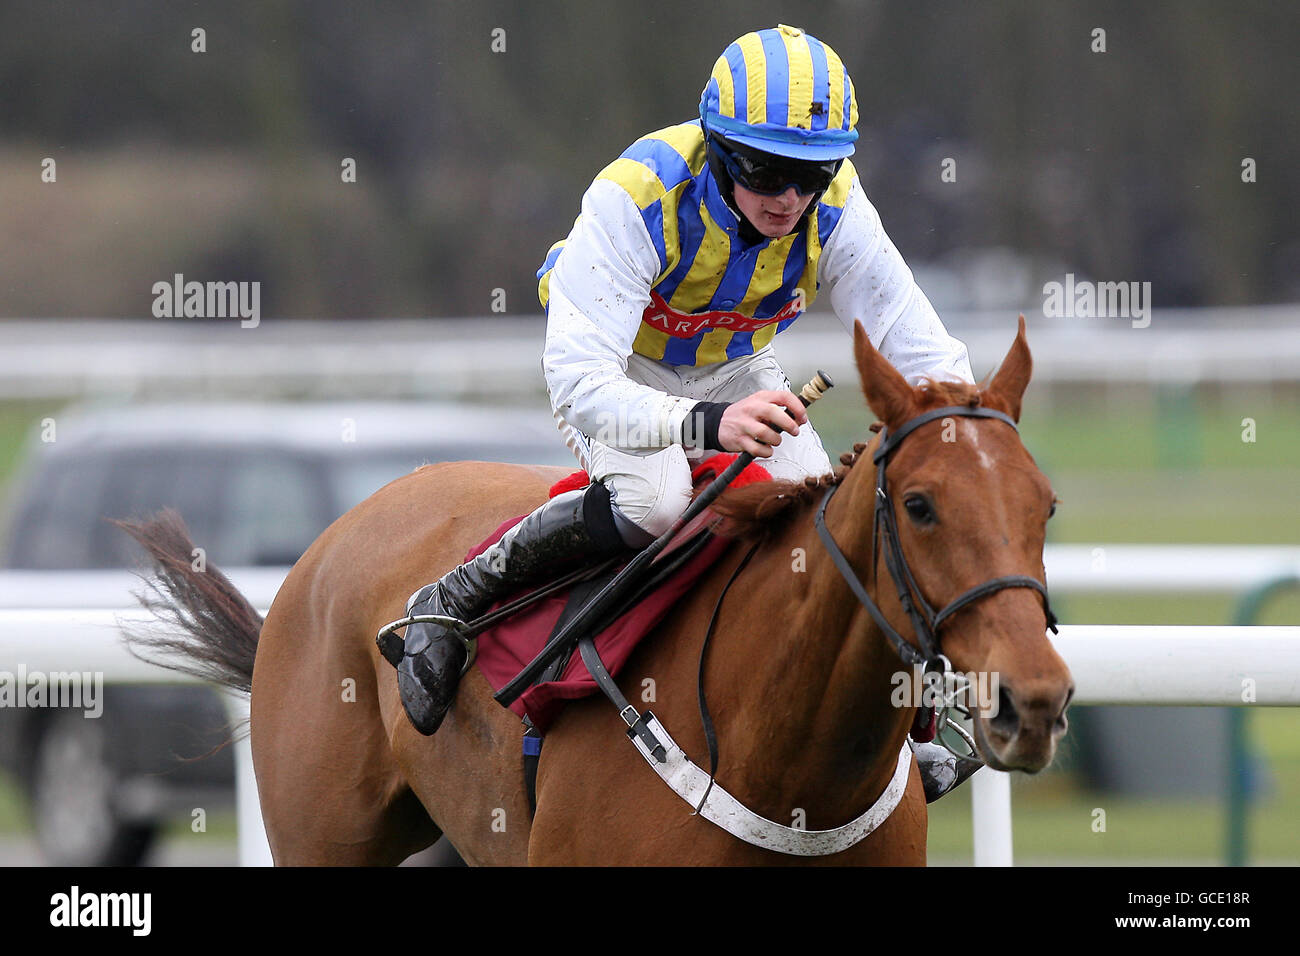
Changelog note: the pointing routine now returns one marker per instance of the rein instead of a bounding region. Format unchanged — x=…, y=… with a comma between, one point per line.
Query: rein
x=925, y=622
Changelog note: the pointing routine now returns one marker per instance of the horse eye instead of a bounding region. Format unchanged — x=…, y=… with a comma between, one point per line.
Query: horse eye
x=1053, y=509
x=918, y=509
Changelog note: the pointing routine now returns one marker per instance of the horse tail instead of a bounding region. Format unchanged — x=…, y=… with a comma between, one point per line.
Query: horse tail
x=201, y=620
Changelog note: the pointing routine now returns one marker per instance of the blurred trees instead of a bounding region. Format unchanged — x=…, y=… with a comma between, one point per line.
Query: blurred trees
x=1125, y=165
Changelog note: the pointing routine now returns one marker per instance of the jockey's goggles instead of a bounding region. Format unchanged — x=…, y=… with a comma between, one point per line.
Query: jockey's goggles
x=770, y=175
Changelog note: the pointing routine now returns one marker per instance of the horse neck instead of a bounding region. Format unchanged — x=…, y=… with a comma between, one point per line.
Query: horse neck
x=813, y=699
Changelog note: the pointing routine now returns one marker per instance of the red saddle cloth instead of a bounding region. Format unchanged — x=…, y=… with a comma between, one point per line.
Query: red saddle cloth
x=504, y=650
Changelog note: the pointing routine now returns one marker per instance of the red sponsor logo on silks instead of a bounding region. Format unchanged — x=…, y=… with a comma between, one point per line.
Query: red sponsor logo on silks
x=684, y=325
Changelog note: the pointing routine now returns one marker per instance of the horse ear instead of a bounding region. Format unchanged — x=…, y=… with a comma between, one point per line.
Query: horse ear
x=1008, y=385
x=887, y=392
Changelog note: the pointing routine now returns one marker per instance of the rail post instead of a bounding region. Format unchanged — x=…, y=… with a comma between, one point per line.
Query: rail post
x=1246, y=614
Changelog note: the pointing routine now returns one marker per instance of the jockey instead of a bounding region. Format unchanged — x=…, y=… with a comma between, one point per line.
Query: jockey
x=694, y=249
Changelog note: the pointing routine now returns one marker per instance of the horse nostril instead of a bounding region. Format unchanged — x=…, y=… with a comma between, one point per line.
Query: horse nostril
x=1006, y=721
x=1061, y=721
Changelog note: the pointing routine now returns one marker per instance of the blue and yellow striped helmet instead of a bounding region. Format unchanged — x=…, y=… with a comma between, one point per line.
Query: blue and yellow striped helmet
x=783, y=92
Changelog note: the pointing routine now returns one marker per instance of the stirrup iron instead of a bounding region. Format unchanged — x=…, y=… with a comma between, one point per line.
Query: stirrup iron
x=393, y=646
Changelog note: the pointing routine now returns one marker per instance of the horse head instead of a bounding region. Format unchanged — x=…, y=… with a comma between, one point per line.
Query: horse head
x=970, y=505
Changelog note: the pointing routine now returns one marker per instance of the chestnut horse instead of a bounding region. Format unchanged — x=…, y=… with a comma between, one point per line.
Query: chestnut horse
x=798, y=674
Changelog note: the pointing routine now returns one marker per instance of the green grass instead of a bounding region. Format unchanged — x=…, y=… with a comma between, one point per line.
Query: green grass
x=1130, y=430
x=1177, y=507
x=15, y=818
x=1168, y=609
x=1053, y=816
x=18, y=421
x=13, y=807
x=1160, y=435
x=219, y=826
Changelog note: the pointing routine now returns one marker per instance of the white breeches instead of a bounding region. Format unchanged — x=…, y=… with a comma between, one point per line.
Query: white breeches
x=651, y=487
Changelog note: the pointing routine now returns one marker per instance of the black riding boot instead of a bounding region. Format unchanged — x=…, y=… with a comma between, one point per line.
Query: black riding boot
x=574, y=525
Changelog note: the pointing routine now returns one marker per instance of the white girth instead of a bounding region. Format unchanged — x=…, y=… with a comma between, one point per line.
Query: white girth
x=689, y=782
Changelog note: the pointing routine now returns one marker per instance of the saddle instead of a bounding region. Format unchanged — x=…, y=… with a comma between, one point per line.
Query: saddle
x=508, y=646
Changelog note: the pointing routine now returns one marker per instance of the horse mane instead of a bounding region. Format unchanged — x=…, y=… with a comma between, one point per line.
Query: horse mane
x=761, y=509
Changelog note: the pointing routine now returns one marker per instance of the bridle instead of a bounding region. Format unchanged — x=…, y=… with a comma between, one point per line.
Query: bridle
x=925, y=622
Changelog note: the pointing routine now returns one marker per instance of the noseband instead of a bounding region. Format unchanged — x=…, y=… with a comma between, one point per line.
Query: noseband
x=925, y=622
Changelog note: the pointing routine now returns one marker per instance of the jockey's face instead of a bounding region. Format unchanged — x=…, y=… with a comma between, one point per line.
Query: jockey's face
x=773, y=216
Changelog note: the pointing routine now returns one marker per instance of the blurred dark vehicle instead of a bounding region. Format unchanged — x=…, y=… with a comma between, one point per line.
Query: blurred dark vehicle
x=256, y=484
